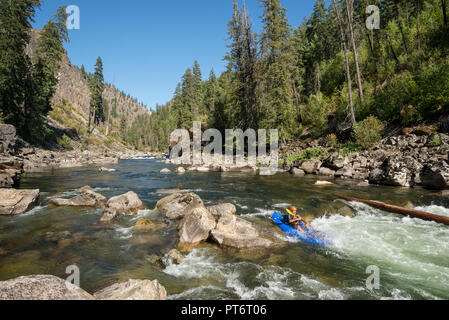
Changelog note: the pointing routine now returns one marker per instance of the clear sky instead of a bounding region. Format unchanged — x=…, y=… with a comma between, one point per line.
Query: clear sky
x=146, y=45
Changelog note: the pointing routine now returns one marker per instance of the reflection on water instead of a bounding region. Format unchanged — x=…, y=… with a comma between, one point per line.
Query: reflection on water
x=413, y=255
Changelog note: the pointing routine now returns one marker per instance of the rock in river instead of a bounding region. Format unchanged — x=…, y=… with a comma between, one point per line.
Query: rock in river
x=133, y=290
x=14, y=201
x=128, y=203
x=235, y=232
x=178, y=205
x=86, y=199
x=147, y=225
x=196, y=226
x=41, y=287
x=222, y=209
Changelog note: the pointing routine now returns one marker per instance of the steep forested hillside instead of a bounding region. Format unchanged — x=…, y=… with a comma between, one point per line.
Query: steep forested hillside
x=328, y=77
x=51, y=102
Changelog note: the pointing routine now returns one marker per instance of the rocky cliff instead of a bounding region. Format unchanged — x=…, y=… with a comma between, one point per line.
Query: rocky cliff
x=73, y=91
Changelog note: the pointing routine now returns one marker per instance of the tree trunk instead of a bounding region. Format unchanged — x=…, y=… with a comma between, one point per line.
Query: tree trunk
x=443, y=5
x=399, y=210
x=349, y=11
x=404, y=41
x=90, y=117
x=393, y=209
x=348, y=73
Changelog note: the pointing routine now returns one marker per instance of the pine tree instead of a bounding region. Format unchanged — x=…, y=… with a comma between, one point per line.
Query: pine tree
x=46, y=66
x=15, y=24
x=210, y=94
x=96, y=97
x=242, y=61
x=198, y=91
x=189, y=100
x=278, y=105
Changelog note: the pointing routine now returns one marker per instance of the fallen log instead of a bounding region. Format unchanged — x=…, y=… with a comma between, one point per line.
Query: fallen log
x=395, y=209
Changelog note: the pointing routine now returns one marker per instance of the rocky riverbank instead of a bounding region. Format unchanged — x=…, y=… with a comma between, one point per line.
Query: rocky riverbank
x=415, y=157
x=18, y=157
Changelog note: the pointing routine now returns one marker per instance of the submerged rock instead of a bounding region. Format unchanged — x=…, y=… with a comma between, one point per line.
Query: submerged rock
x=85, y=188
x=168, y=191
x=323, y=183
x=180, y=170
x=298, y=172
x=87, y=199
x=128, y=203
x=41, y=287
x=133, y=290
x=173, y=256
x=147, y=225
x=13, y=202
x=165, y=170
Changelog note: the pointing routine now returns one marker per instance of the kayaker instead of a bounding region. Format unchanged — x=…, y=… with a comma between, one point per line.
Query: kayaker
x=298, y=222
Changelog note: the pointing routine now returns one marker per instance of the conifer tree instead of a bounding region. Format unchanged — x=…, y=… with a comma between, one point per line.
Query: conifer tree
x=46, y=66
x=96, y=96
x=278, y=107
x=197, y=107
x=15, y=24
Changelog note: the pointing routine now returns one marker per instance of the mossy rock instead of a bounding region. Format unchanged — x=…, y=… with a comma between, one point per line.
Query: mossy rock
x=147, y=225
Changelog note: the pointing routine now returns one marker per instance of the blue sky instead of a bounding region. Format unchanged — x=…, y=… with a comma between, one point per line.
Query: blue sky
x=146, y=45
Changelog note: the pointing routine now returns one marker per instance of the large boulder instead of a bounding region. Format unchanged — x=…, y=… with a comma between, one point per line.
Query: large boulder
x=235, y=232
x=297, y=172
x=396, y=170
x=222, y=209
x=13, y=202
x=8, y=139
x=311, y=166
x=133, y=290
x=128, y=203
x=335, y=162
x=11, y=170
x=87, y=199
x=41, y=287
x=178, y=205
x=196, y=226
x=434, y=178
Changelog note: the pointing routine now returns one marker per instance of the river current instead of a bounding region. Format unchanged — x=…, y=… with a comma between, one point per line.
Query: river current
x=412, y=256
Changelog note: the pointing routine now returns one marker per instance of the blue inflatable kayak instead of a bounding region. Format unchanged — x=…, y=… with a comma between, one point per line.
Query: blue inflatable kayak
x=310, y=237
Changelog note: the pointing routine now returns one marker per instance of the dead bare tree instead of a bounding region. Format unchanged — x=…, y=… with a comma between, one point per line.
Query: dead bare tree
x=350, y=14
x=348, y=73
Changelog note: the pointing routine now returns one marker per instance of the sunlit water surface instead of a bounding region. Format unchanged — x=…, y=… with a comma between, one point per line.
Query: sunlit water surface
x=412, y=255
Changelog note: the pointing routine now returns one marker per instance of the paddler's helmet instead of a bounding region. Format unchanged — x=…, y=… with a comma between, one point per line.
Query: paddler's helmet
x=293, y=209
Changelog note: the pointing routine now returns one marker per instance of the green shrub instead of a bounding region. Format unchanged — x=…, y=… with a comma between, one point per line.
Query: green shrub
x=368, y=131
x=350, y=147
x=436, y=141
x=310, y=153
x=65, y=142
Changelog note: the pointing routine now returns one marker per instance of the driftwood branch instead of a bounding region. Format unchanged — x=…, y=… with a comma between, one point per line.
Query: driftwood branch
x=394, y=209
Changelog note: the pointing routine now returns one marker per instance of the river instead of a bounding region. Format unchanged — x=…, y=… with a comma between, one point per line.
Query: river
x=412, y=256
